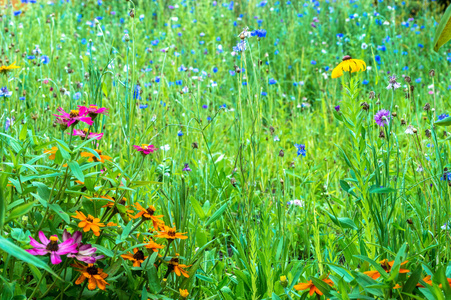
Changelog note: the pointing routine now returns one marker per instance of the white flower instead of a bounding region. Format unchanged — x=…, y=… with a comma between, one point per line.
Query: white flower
x=165, y=147
x=296, y=202
x=364, y=46
x=420, y=168
x=409, y=130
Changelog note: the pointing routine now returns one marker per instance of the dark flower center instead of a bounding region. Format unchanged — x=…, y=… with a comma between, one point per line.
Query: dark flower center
x=150, y=211
x=53, y=245
x=92, y=270
x=174, y=261
x=346, y=57
x=139, y=255
x=171, y=232
x=89, y=219
x=74, y=113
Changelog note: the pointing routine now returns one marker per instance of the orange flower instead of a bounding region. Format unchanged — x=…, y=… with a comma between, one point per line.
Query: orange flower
x=154, y=246
x=52, y=151
x=312, y=287
x=387, y=265
x=111, y=224
x=96, y=277
x=148, y=214
x=426, y=279
x=5, y=69
x=170, y=233
x=183, y=293
x=88, y=223
x=137, y=258
x=373, y=274
x=397, y=286
x=93, y=158
x=179, y=269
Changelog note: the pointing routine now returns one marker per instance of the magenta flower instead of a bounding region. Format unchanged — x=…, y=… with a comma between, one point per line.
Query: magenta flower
x=382, y=117
x=93, y=110
x=85, y=252
x=51, y=246
x=75, y=116
x=145, y=149
x=91, y=135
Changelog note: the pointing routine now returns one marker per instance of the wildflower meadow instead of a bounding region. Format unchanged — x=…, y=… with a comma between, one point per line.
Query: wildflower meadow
x=245, y=149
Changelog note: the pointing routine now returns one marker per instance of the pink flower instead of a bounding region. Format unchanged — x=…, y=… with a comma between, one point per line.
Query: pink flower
x=75, y=116
x=91, y=135
x=85, y=252
x=51, y=246
x=146, y=149
x=93, y=110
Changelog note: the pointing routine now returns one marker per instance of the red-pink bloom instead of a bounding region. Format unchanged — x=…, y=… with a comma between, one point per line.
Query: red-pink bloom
x=75, y=116
x=91, y=135
x=145, y=149
x=51, y=246
x=93, y=110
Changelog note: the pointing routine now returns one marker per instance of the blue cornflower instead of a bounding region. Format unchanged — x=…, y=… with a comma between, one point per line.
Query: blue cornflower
x=418, y=80
x=205, y=106
x=313, y=62
x=31, y=57
x=215, y=70
x=365, y=81
x=77, y=96
x=17, y=13
x=420, y=45
x=137, y=92
x=180, y=133
x=272, y=81
x=143, y=106
x=442, y=116
x=4, y=92
x=178, y=82
x=22, y=98
x=223, y=106
x=186, y=168
x=241, y=46
x=45, y=59
x=208, y=118
x=264, y=94
x=377, y=58
x=261, y=33
x=301, y=149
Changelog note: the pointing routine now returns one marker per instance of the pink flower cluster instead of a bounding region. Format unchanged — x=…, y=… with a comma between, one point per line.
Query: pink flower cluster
x=82, y=114
x=71, y=246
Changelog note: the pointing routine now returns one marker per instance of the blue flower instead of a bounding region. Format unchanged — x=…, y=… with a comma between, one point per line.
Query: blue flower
x=272, y=81
x=301, y=149
x=326, y=68
x=22, y=98
x=31, y=57
x=264, y=94
x=377, y=58
x=4, y=92
x=261, y=33
x=418, y=80
x=215, y=70
x=365, y=81
x=223, y=106
x=137, y=92
x=77, y=96
x=143, y=106
x=442, y=116
x=313, y=62
x=17, y=13
x=205, y=106
x=180, y=133
x=178, y=82
x=420, y=45
x=45, y=59
x=208, y=118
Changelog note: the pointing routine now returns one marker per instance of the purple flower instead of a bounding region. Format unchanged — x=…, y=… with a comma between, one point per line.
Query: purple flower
x=382, y=117
x=337, y=108
x=85, y=252
x=186, y=168
x=392, y=83
x=51, y=246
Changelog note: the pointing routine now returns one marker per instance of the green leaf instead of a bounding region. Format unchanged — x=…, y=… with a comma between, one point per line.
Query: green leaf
x=376, y=265
x=60, y=212
x=23, y=132
x=444, y=122
x=217, y=214
x=411, y=283
x=24, y=256
x=197, y=208
x=76, y=171
x=322, y=286
x=343, y=222
x=20, y=210
x=275, y=297
x=379, y=190
x=443, y=32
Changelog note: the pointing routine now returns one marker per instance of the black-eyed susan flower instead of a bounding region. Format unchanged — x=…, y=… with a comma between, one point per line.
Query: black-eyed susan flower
x=93, y=158
x=154, y=246
x=311, y=287
x=96, y=276
x=177, y=268
x=348, y=65
x=171, y=233
x=184, y=293
x=137, y=257
x=149, y=214
x=5, y=69
x=88, y=223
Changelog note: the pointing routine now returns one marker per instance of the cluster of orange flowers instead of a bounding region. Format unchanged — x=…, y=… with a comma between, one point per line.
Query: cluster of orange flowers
x=385, y=264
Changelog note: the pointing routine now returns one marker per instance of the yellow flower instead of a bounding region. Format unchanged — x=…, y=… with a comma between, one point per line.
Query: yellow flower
x=5, y=69
x=183, y=293
x=348, y=65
